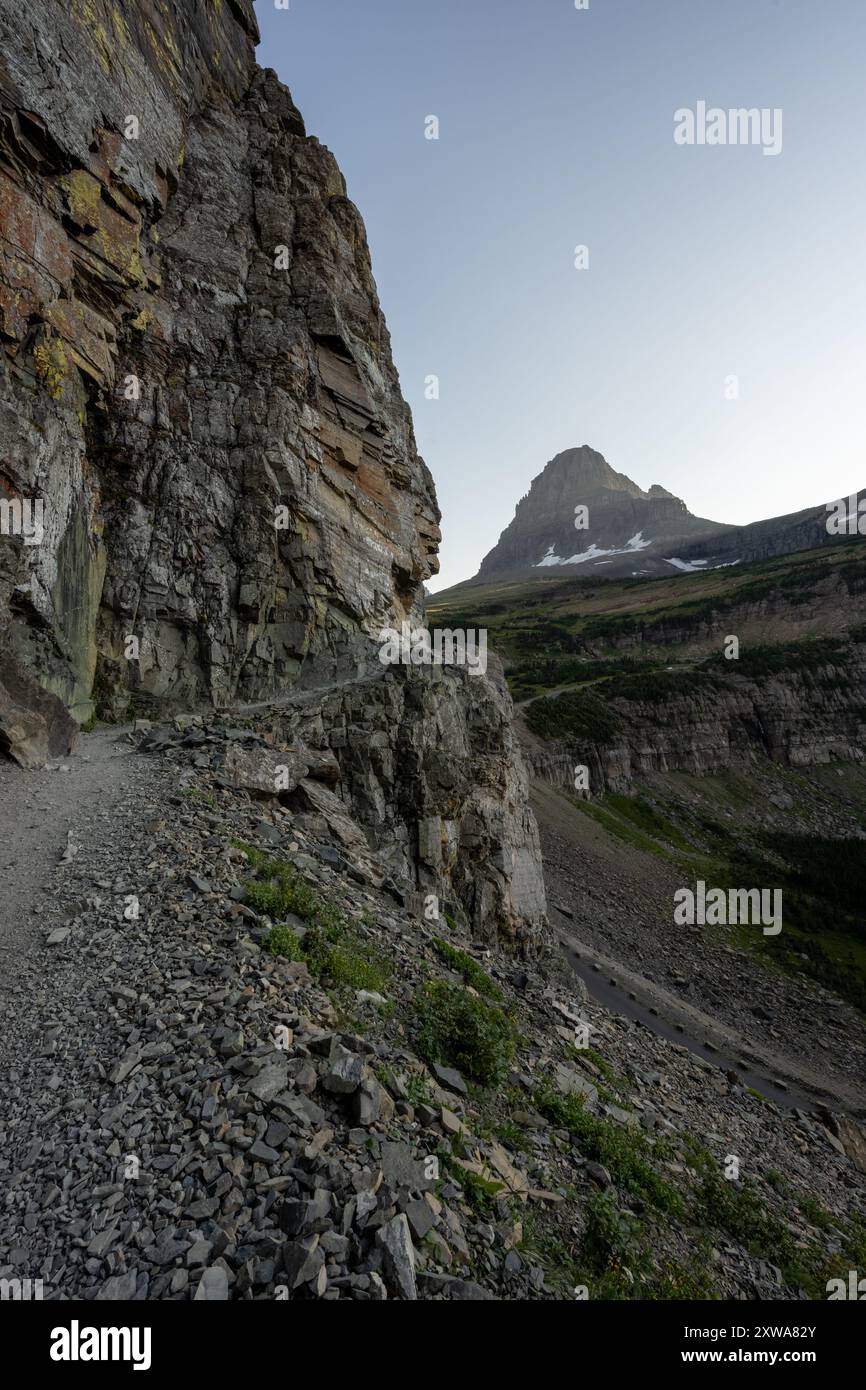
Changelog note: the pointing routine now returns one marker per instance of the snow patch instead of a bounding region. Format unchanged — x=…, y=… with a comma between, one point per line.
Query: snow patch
x=696, y=566
x=687, y=566
x=593, y=552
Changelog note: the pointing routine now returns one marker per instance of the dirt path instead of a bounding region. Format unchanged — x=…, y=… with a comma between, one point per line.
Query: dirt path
x=38, y=812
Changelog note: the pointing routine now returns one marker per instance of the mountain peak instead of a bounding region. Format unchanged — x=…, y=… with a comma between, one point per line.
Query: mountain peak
x=581, y=511
x=583, y=467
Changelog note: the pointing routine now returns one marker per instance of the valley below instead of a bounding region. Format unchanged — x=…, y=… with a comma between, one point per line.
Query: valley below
x=611, y=904
x=659, y=763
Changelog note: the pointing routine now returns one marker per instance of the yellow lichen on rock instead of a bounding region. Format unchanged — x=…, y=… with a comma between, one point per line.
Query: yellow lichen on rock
x=120, y=26
x=52, y=365
x=113, y=236
x=86, y=11
x=83, y=194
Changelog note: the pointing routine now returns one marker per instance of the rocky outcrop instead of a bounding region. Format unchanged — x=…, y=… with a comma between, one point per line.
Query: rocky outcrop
x=199, y=401
x=34, y=724
x=419, y=771
x=429, y=768
x=711, y=730
x=807, y=712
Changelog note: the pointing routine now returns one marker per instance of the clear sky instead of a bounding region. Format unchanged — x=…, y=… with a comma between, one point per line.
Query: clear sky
x=556, y=129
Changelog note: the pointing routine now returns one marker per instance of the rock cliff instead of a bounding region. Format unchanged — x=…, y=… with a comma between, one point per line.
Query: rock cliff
x=202, y=423
x=678, y=703
x=192, y=342
x=799, y=719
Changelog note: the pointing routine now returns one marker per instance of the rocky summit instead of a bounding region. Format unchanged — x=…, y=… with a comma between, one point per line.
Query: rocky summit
x=582, y=517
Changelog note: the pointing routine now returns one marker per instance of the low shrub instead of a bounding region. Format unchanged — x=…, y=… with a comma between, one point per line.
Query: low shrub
x=458, y=1029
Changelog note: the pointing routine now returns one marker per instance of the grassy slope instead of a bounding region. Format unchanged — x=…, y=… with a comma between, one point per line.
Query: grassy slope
x=554, y=632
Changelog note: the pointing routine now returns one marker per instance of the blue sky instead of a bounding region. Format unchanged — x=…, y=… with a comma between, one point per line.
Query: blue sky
x=705, y=263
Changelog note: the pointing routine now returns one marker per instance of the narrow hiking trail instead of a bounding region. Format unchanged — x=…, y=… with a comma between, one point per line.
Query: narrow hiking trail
x=46, y=815
x=39, y=812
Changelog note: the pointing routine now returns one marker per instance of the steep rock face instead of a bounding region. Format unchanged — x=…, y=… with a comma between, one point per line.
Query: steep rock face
x=193, y=342
x=778, y=535
x=429, y=768
x=198, y=396
x=790, y=719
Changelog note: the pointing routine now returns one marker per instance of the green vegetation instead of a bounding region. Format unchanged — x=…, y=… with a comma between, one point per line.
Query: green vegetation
x=419, y=1089
x=546, y=673
x=588, y=715
x=740, y=1210
x=647, y=817
x=811, y=655
x=627, y=1154
x=599, y=812
x=541, y=1246
x=468, y=967
x=278, y=890
x=197, y=794
x=610, y=1074
x=656, y=687
x=481, y=1193
x=815, y=1213
x=551, y=632
x=282, y=941
x=574, y=715
x=616, y=1258
x=331, y=946
x=637, y=822
x=458, y=1029
x=792, y=579
x=823, y=882
x=610, y=1237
